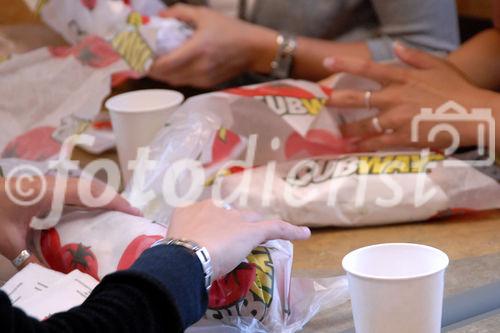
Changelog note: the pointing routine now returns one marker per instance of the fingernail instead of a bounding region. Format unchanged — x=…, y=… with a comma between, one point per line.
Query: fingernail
x=399, y=46
x=329, y=62
x=307, y=231
x=137, y=211
x=354, y=140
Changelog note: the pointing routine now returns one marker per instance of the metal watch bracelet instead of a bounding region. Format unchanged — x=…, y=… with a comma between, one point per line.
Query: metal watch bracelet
x=199, y=251
x=281, y=66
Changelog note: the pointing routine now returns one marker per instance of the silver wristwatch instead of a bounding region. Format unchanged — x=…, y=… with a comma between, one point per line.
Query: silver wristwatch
x=281, y=66
x=200, y=251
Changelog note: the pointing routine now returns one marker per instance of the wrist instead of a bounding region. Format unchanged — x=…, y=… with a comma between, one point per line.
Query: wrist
x=262, y=48
x=198, y=251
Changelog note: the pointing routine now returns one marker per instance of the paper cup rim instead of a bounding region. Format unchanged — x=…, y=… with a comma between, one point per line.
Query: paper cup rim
x=177, y=100
x=443, y=266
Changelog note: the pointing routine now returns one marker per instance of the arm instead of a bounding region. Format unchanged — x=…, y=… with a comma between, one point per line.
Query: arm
x=427, y=24
x=147, y=298
x=483, y=49
x=223, y=48
x=427, y=82
x=478, y=59
x=164, y=291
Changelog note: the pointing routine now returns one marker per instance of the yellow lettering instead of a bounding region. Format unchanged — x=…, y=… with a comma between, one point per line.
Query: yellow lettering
x=313, y=106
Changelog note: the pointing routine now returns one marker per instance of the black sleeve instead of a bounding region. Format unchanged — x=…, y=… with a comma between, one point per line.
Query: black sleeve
x=162, y=292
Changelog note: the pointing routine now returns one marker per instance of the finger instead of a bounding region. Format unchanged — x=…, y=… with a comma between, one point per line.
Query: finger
x=367, y=128
x=277, y=229
x=177, y=59
x=110, y=199
x=183, y=12
x=383, y=142
x=383, y=74
x=184, y=75
x=356, y=99
x=416, y=58
x=120, y=204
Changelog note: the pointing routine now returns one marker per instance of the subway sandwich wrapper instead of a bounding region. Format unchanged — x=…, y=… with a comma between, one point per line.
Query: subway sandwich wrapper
x=52, y=93
x=260, y=294
x=276, y=148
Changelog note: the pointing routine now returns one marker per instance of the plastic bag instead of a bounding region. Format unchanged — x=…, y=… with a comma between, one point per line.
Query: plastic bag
x=366, y=189
x=276, y=121
x=328, y=187
x=260, y=292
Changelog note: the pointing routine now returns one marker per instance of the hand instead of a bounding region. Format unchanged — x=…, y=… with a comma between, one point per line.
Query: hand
x=15, y=219
x=429, y=82
x=228, y=235
x=220, y=49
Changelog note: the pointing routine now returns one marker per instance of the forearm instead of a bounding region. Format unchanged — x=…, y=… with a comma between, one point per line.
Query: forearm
x=162, y=292
x=310, y=53
x=308, y=57
x=478, y=59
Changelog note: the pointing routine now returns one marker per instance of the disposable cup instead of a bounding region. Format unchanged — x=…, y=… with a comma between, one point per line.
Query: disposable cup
x=396, y=287
x=137, y=116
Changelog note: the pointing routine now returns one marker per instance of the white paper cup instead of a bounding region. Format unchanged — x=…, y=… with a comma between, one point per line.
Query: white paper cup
x=137, y=116
x=396, y=288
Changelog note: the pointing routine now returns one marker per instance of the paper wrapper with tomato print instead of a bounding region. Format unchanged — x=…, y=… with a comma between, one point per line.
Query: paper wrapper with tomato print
x=366, y=189
x=258, y=289
x=52, y=93
x=258, y=295
x=96, y=243
x=275, y=121
x=130, y=27
x=261, y=295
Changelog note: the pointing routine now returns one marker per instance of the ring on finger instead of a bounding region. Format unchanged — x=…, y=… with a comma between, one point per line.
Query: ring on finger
x=227, y=206
x=21, y=259
x=368, y=99
x=378, y=127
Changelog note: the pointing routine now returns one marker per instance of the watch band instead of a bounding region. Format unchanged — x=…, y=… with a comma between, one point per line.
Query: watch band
x=281, y=66
x=199, y=251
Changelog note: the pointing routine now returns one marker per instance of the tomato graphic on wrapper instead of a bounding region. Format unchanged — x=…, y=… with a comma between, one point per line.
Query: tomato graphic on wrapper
x=135, y=249
x=232, y=288
x=34, y=145
x=69, y=257
x=79, y=256
x=89, y=4
x=247, y=291
x=224, y=144
x=50, y=245
x=317, y=142
x=92, y=51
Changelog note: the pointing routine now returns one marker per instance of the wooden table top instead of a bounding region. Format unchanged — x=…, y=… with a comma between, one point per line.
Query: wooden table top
x=460, y=237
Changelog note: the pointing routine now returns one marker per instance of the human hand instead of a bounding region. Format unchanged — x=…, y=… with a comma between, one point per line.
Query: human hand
x=220, y=49
x=429, y=82
x=15, y=219
x=228, y=235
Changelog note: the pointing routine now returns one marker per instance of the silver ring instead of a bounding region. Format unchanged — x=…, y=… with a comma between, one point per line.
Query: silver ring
x=227, y=206
x=378, y=127
x=21, y=258
x=368, y=99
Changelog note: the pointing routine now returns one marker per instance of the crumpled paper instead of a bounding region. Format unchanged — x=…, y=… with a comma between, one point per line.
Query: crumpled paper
x=51, y=93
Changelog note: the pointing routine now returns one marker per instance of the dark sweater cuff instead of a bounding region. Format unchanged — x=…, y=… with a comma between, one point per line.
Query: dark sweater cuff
x=181, y=273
